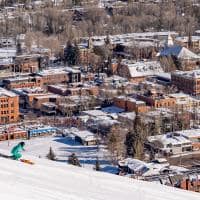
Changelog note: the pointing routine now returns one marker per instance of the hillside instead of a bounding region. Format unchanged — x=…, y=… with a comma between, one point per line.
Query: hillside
x=48, y=180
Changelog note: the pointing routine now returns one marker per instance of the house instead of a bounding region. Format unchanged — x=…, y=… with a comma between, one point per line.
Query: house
x=171, y=143
x=140, y=168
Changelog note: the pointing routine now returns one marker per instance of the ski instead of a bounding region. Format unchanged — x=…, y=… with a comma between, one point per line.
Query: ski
x=27, y=161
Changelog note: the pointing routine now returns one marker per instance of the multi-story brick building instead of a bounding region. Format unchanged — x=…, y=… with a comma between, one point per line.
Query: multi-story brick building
x=26, y=63
x=65, y=90
x=52, y=76
x=9, y=106
x=130, y=104
x=188, y=81
x=23, y=82
x=157, y=100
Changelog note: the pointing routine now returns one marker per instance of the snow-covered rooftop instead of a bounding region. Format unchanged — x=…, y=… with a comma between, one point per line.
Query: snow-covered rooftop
x=140, y=69
x=170, y=139
x=192, y=133
x=193, y=74
x=178, y=51
x=4, y=92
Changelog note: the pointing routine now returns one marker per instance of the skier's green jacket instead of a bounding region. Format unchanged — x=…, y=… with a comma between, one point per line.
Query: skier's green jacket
x=16, y=150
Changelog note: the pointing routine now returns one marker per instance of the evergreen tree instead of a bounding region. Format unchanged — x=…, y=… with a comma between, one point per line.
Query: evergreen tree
x=19, y=48
x=130, y=150
x=76, y=2
x=73, y=160
x=135, y=139
x=71, y=54
x=51, y=155
x=97, y=165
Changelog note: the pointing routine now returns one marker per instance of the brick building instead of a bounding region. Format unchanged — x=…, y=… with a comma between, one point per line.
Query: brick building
x=191, y=184
x=12, y=133
x=26, y=63
x=52, y=76
x=157, y=100
x=65, y=90
x=188, y=81
x=9, y=109
x=130, y=104
x=23, y=82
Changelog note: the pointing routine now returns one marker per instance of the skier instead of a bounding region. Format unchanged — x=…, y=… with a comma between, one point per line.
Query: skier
x=16, y=150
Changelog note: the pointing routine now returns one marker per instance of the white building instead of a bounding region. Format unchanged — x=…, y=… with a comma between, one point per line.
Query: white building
x=173, y=143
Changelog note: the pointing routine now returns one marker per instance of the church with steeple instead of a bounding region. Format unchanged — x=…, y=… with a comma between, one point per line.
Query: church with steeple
x=176, y=57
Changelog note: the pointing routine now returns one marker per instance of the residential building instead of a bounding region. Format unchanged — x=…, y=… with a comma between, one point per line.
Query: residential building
x=171, y=143
x=9, y=106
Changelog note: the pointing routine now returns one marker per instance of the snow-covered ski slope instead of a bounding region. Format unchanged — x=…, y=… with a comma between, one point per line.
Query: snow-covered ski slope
x=49, y=180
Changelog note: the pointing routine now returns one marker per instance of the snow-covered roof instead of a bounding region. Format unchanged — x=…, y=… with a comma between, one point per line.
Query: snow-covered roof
x=191, y=133
x=133, y=164
x=4, y=93
x=185, y=39
x=193, y=74
x=84, y=135
x=7, y=52
x=178, y=51
x=140, y=69
x=52, y=71
x=128, y=115
x=170, y=138
x=94, y=113
x=47, y=180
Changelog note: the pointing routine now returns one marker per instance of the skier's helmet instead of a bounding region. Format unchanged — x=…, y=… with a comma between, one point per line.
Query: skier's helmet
x=22, y=143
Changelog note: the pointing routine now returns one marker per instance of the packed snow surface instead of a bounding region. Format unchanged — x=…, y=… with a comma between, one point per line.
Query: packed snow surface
x=50, y=180
x=64, y=147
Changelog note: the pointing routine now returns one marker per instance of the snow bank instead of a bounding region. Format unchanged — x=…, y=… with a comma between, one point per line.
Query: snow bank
x=49, y=180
